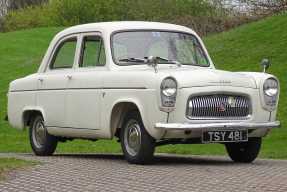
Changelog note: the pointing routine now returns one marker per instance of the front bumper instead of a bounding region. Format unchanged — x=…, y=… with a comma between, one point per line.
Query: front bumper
x=212, y=126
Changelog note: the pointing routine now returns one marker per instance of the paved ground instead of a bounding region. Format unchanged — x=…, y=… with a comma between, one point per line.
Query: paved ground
x=169, y=173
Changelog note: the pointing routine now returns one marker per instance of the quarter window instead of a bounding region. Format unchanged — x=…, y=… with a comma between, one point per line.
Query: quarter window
x=65, y=54
x=93, y=52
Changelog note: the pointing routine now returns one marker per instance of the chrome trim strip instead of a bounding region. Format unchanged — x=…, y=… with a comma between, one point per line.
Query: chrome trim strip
x=88, y=88
x=202, y=126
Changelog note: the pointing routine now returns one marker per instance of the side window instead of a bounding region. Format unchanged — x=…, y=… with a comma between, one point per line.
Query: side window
x=64, y=55
x=93, y=52
x=201, y=57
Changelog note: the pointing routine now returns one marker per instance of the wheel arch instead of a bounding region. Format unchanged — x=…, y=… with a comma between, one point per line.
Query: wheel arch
x=118, y=112
x=28, y=113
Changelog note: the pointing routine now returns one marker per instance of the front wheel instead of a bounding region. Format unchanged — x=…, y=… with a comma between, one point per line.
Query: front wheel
x=137, y=145
x=245, y=152
x=42, y=143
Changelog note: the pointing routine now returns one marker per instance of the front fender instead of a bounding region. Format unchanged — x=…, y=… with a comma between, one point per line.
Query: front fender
x=147, y=105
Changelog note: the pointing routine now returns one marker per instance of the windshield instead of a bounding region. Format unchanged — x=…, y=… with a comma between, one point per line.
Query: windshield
x=132, y=47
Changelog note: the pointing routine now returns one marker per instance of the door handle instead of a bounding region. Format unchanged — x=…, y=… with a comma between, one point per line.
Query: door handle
x=69, y=77
x=41, y=79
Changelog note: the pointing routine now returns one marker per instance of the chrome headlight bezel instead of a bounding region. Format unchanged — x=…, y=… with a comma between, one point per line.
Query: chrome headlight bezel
x=270, y=89
x=168, y=91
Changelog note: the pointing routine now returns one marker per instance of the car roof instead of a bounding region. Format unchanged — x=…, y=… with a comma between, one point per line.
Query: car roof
x=110, y=27
x=107, y=28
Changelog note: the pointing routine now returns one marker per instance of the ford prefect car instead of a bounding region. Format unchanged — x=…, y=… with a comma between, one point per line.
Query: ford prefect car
x=147, y=84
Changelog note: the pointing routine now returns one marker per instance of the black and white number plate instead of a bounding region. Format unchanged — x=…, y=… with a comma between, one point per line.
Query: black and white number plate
x=224, y=136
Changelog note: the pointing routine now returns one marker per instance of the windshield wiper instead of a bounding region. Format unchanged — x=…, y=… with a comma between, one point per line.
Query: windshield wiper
x=169, y=61
x=134, y=60
x=148, y=60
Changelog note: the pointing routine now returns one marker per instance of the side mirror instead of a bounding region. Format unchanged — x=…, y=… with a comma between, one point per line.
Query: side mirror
x=265, y=63
x=152, y=61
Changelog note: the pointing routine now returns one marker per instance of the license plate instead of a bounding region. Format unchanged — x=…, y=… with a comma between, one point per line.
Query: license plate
x=225, y=136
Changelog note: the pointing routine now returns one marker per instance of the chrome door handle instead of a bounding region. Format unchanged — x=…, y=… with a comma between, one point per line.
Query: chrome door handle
x=69, y=77
x=41, y=79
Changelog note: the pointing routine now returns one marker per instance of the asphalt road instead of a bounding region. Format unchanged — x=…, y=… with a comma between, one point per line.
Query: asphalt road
x=169, y=173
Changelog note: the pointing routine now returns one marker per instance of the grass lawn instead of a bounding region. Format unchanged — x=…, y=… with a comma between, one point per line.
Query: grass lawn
x=240, y=49
x=8, y=164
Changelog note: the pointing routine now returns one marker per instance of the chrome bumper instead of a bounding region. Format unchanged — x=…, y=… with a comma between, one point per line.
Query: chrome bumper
x=206, y=126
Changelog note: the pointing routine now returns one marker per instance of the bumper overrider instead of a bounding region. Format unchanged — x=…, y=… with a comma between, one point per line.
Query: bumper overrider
x=212, y=126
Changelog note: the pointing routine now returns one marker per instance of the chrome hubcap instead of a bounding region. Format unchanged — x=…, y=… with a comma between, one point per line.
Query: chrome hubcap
x=132, y=137
x=39, y=133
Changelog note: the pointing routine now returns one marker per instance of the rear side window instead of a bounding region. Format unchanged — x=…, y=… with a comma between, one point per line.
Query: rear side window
x=64, y=55
x=93, y=52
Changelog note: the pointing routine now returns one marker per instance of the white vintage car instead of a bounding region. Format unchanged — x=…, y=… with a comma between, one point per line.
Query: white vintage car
x=146, y=83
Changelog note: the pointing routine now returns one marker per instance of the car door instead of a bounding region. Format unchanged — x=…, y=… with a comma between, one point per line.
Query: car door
x=84, y=87
x=53, y=82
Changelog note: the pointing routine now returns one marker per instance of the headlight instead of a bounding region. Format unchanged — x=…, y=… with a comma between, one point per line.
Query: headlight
x=168, y=92
x=271, y=90
x=270, y=87
x=168, y=87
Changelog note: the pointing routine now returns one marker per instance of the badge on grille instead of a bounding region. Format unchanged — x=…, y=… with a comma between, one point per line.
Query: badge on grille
x=222, y=107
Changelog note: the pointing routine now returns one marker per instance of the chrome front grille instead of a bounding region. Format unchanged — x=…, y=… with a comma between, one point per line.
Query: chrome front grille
x=218, y=107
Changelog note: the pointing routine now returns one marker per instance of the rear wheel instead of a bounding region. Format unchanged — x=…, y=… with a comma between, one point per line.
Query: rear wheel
x=42, y=143
x=245, y=152
x=137, y=145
